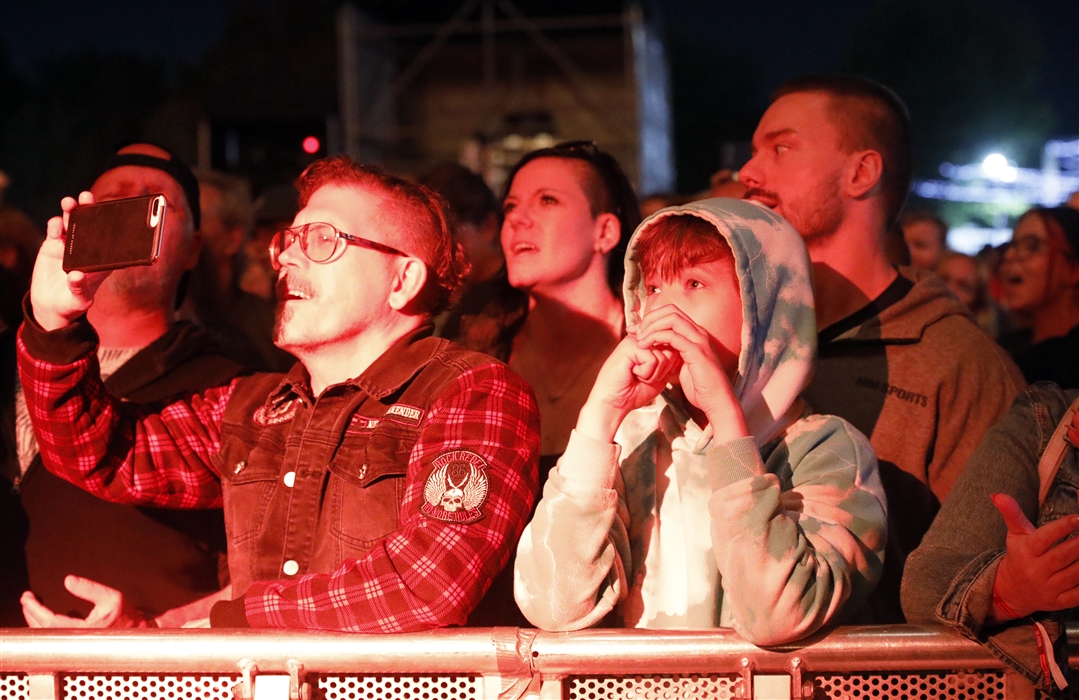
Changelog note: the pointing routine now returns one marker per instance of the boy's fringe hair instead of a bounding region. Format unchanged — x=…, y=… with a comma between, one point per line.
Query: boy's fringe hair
x=676, y=242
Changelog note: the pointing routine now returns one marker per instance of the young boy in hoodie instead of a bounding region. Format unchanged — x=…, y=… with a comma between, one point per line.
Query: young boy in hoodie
x=696, y=490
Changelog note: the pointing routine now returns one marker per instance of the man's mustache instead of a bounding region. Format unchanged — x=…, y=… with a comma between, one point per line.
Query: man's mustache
x=283, y=286
x=766, y=197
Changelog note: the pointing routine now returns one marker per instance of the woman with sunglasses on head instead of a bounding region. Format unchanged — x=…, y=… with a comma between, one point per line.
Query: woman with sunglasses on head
x=568, y=210
x=554, y=312
x=1039, y=278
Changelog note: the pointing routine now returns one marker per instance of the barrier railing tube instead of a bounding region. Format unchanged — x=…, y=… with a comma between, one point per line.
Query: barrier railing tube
x=503, y=662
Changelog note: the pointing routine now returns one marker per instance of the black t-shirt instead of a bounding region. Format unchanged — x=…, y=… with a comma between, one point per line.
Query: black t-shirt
x=893, y=294
x=1053, y=360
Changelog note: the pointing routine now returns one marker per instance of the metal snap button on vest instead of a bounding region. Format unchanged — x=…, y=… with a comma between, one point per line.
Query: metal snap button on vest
x=239, y=466
x=290, y=568
x=363, y=471
x=290, y=479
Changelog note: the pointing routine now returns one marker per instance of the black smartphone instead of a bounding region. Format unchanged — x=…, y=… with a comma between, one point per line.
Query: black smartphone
x=115, y=234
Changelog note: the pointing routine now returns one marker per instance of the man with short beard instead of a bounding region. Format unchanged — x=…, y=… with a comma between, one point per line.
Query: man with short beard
x=377, y=486
x=898, y=356
x=158, y=559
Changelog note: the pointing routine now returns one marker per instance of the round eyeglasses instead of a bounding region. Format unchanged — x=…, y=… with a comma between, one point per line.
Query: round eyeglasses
x=319, y=242
x=1025, y=247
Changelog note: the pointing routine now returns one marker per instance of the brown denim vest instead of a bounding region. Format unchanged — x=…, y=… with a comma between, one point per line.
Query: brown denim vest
x=309, y=483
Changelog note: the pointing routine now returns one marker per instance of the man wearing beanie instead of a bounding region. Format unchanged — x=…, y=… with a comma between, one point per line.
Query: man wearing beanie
x=158, y=559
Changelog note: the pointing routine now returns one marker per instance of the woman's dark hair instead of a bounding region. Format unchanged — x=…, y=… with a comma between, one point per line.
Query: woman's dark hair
x=608, y=191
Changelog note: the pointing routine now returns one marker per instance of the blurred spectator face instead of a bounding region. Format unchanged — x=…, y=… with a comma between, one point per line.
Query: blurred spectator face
x=895, y=246
x=150, y=286
x=478, y=213
x=222, y=239
x=797, y=163
x=1037, y=266
x=960, y=273
x=549, y=235
x=925, y=244
x=650, y=205
x=725, y=183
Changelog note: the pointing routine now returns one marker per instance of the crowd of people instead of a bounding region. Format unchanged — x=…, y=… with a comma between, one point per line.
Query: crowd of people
x=378, y=404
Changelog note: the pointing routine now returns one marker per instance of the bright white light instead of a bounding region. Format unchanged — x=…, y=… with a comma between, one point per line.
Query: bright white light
x=996, y=167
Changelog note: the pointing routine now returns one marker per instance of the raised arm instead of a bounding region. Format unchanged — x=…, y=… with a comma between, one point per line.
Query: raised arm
x=116, y=450
x=573, y=557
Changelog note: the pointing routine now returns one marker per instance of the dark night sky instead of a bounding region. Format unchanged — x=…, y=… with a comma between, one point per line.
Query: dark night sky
x=793, y=37
x=771, y=39
x=784, y=37
x=176, y=31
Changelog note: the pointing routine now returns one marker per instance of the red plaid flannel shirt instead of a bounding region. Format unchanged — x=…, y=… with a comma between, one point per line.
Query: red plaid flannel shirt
x=426, y=574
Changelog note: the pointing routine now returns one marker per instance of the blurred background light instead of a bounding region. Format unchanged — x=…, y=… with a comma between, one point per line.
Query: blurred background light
x=996, y=167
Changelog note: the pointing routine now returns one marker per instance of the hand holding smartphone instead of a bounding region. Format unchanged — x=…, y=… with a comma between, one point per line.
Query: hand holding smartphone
x=115, y=234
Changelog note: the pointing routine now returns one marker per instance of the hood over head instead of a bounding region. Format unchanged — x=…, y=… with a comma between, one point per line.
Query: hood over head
x=779, y=328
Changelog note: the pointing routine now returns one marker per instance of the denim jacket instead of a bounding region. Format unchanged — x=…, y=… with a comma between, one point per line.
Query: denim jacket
x=950, y=577
x=348, y=460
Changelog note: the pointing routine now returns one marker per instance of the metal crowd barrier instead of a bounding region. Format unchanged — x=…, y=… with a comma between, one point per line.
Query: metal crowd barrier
x=850, y=662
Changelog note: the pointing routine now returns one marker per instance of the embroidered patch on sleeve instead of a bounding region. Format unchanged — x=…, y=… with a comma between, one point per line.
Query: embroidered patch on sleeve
x=456, y=489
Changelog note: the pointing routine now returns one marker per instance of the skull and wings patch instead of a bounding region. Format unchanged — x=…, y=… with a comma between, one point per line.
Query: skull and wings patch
x=457, y=487
x=271, y=414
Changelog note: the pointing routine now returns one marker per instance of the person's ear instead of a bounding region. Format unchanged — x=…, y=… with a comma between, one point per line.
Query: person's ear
x=864, y=172
x=408, y=283
x=607, y=231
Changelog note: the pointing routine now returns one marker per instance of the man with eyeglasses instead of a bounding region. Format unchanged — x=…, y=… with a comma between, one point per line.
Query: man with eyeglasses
x=378, y=486
x=898, y=356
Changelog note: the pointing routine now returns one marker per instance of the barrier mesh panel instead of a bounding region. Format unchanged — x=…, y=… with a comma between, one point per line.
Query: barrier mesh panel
x=653, y=688
x=943, y=686
x=132, y=687
x=148, y=687
x=14, y=686
x=401, y=687
x=931, y=686
x=928, y=686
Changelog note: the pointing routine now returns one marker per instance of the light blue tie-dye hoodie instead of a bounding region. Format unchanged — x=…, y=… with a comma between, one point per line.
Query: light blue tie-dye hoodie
x=774, y=535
